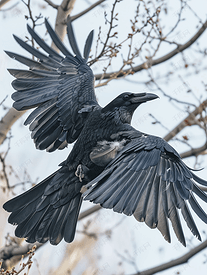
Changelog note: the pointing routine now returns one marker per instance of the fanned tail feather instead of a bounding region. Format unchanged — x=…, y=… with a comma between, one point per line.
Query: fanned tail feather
x=47, y=213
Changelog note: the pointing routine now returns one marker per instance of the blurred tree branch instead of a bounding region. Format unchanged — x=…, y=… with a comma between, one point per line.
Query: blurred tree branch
x=3, y=2
x=7, y=121
x=27, y=265
x=14, y=251
x=188, y=121
x=194, y=151
x=89, y=211
x=50, y=3
x=181, y=260
x=12, y=254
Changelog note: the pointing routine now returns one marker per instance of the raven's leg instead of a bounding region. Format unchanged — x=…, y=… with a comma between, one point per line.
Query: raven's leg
x=81, y=172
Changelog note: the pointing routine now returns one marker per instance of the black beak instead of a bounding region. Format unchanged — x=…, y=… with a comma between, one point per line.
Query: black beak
x=143, y=97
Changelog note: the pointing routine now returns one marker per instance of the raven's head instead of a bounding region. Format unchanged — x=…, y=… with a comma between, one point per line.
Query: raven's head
x=126, y=103
x=130, y=100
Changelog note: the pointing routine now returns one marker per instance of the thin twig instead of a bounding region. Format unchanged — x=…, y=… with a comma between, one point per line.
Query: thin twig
x=74, y=17
x=3, y=100
x=162, y=59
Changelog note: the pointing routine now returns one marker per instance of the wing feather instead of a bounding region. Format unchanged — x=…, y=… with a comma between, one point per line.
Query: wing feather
x=58, y=86
x=88, y=45
x=24, y=74
x=26, y=61
x=162, y=219
x=57, y=40
x=149, y=180
x=42, y=44
x=174, y=215
x=71, y=38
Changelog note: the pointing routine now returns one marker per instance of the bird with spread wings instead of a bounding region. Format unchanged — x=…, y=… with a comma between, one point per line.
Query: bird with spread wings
x=119, y=167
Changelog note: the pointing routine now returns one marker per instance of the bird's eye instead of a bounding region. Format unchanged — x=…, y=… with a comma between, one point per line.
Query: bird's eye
x=126, y=97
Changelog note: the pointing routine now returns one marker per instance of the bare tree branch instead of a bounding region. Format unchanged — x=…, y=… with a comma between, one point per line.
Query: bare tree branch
x=50, y=3
x=12, y=254
x=10, y=251
x=149, y=63
x=181, y=260
x=89, y=211
x=86, y=10
x=194, y=151
x=186, y=121
x=7, y=121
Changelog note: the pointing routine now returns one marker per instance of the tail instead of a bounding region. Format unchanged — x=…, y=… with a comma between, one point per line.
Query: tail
x=49, y=210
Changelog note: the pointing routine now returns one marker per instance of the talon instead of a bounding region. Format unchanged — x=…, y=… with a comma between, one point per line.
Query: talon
x=79, y=172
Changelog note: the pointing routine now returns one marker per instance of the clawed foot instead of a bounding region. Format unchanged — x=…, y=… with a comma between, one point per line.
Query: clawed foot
x=81, y=172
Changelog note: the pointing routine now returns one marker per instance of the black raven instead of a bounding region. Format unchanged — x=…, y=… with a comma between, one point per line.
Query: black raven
x=111, y=163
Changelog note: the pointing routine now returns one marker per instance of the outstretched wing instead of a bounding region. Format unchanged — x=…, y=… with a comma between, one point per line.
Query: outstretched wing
x=60, y=87
x=149, y=180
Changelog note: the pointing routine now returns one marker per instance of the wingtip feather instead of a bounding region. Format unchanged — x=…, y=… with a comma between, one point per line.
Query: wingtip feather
x=71, y=37
x=88, y=45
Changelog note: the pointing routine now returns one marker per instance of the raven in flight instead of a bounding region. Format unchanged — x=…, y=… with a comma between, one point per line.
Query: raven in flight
x=111, y=163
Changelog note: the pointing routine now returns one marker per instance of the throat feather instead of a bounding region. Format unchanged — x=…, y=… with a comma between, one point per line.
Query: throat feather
x=125, y=115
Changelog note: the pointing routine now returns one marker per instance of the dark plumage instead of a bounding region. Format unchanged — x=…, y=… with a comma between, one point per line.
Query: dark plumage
x=123, y=169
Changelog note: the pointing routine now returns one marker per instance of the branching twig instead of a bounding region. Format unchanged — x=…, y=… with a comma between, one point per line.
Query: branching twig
x=162, y=59
x=187, y=121
x=2, y=160
x=152, y=80
x=3, y=2
x=106, y=48
x=23, y=266
x=194, y=151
